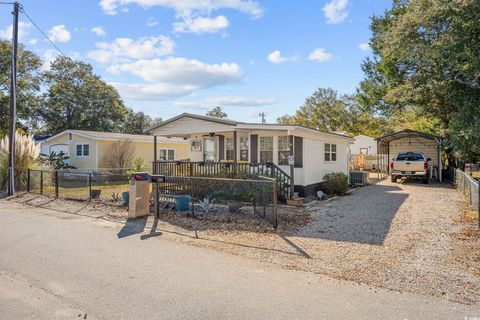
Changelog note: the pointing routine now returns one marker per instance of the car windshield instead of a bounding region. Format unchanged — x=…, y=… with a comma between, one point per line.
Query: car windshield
x=410, y=157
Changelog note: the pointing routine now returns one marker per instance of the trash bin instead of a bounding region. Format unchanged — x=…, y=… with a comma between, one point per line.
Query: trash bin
x=182, y=203
x=139, y=195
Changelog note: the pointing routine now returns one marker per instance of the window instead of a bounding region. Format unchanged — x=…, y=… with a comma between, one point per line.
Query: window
x=82, y=150
x=266, y=149
x=167, y=155
x=244, y=148
x=69, y=136
x=364, y=151
x=230, y=149
x=330, y=152
x=283, y=150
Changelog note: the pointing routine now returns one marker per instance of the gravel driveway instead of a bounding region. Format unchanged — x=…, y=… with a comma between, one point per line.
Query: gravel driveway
x=405, y=237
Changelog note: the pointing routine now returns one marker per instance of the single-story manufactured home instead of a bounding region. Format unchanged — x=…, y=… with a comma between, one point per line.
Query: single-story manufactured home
x=90, y=150
x=216, y=140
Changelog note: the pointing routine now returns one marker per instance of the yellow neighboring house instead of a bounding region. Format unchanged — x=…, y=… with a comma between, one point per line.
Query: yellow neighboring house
x=90, y=150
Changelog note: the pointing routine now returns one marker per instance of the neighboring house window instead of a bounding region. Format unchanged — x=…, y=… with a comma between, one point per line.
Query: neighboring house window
x=364, y=151
x=266, y=149
x=283, y=150
x=244, y=148
x=83, y=150
x=330, y=152
x=69, y=136
x=167, y=155
x=230, y=149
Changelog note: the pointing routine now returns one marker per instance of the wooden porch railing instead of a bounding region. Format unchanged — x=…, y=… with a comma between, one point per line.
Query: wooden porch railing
x=226, y=170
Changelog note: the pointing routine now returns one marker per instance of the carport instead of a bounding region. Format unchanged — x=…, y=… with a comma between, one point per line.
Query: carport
x=408, y=141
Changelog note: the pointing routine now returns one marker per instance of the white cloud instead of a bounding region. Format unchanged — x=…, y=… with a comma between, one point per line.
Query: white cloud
x=23, y=30
x=122, y=49
x=236, y=101
x=152, y=21
x=33, y=41
x=188, y=7
x=99, y=31
x=48, y=56
x=336, y=11
x=173, y=77
x=276, y=57
x=59, y=34
x=364, y=46
x=201, y=25
x=320, y=55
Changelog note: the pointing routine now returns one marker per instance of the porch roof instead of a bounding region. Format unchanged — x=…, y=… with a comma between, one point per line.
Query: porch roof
x=224, y=125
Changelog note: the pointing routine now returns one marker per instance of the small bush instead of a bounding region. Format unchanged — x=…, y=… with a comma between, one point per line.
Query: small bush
x=336, y=183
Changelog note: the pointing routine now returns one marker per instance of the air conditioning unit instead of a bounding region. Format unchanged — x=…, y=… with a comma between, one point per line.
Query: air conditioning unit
x=358, y=178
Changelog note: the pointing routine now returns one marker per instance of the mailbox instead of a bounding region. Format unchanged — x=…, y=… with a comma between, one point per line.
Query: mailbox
x=155, y=178
x=140, y=176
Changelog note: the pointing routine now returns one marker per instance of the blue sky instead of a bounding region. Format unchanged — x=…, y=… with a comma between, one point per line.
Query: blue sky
x=171, y=56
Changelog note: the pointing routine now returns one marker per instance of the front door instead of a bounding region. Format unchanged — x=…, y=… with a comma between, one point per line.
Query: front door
x=208, y=149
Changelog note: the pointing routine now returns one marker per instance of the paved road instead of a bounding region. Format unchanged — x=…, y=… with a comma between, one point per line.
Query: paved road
x=58, y=266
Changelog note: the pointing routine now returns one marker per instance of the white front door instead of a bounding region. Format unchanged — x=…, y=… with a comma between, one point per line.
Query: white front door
x=208, y=149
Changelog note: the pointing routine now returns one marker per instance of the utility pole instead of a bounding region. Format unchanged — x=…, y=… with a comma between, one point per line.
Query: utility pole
x=262, y=115
x=13, y=103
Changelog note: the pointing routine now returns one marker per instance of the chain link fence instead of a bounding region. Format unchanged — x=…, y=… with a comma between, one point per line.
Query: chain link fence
x=78, y=185
x=220, y=196
x=468, y=186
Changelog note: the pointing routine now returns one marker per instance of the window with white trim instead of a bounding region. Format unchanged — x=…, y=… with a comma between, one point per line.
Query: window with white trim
x=166, y=154
x=230, y=146
x=330, y=152
x=283, y=150
x=266, y=149
x=244, y=148
x=82, y=150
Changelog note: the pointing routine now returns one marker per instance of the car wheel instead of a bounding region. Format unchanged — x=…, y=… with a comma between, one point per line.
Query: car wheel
x=394, y=178
x=425, y=181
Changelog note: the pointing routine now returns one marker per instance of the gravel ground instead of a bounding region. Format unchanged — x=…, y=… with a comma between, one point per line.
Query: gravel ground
x=400, y=236
x=405, y=237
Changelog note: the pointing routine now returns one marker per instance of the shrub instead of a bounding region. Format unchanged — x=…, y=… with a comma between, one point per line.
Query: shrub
x=336, y=183
x=26, y=155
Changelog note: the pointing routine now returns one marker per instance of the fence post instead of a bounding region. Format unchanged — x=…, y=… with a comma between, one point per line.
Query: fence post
x=193, y=198
x=478, y=203
x=274, y=205
x=157, y=205
x=28, y=181
x=90, y=186
x=41, y=182
x=56, y=183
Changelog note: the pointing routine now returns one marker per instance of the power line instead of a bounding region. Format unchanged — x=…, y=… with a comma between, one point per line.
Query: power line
x=22, y=10
x=1, y=2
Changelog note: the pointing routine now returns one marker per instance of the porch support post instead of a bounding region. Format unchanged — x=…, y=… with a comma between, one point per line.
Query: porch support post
x=235, y=146
x=154, y=154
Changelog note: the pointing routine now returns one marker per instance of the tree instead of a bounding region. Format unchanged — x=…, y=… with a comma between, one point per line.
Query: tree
x=217, y=112
x=56, y=161
x=78, y=99
x=426, y=59
x=136, y=122
x=119, y=157
x=28, y=85
x=327, y=111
